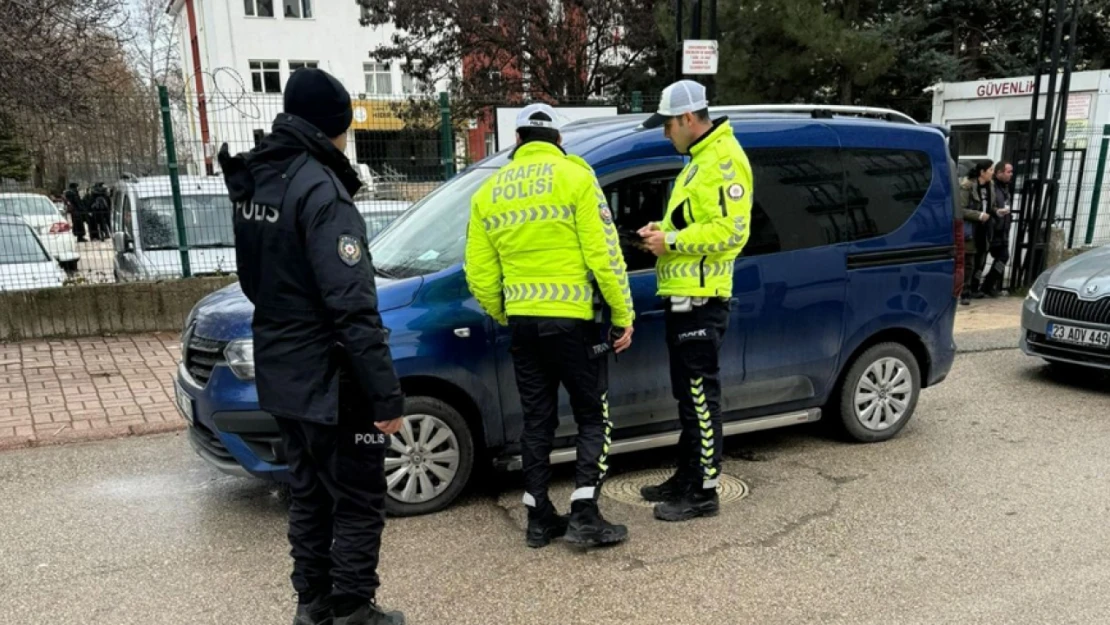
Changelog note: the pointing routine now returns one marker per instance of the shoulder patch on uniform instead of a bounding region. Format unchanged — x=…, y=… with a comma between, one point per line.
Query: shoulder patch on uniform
x=736, y=191
x=350, y=250
x=690, y=176
x=606, y=214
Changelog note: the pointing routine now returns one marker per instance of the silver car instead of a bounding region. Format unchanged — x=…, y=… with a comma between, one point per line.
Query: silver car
x=1066, y=316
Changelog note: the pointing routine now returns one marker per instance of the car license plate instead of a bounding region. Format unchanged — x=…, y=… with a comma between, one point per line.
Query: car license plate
x=184, y=402
x=1079, y=336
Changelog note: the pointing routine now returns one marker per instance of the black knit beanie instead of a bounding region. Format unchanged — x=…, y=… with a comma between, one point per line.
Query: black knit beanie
x=318, y=98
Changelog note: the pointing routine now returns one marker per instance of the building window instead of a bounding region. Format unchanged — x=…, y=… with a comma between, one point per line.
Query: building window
x=298, y=9
x=410, y=84
x=491, y=143
x=259, y=8
x=265, y=76
x=972, y=139
x=379, y=80
x=296, y=65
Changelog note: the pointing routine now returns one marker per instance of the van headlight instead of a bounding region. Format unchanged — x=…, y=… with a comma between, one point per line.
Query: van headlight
x=1037, y=290
x=240, y=358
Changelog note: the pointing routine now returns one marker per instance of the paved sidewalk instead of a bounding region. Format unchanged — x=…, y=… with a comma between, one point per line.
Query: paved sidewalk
x=96, y=388
x=87, y=389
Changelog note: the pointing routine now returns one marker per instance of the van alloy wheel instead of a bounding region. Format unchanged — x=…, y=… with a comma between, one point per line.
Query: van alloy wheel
x=422, y=461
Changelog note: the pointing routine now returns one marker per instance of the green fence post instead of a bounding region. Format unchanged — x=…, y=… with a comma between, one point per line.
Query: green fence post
x=637, y=102
x=1099, y=173
x=447, y=137
x=175, y=183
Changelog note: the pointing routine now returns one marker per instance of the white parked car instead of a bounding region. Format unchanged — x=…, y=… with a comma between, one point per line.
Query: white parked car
x=144, y=228
x=24, y=262
x=39, y=212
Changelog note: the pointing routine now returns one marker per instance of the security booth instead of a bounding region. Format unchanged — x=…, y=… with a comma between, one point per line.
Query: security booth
x=990, y=119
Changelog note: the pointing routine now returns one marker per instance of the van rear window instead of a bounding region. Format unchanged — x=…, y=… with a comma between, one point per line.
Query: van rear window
x=809, y=197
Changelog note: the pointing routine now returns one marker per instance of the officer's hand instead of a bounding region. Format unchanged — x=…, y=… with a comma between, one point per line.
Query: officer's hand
x=651, y=227
x=984, y=216
x=390, y=427
x=624, y=342
x=656, y=241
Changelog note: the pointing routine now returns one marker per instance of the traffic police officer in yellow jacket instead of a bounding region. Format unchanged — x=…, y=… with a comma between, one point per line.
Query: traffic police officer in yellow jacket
x=540, y=241
x=705, y=228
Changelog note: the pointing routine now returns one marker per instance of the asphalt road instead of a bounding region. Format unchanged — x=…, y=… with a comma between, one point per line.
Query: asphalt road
x=991, y=507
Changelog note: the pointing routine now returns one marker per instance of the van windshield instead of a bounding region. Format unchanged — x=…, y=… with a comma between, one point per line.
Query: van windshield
x=208, y=222
x=430, y=236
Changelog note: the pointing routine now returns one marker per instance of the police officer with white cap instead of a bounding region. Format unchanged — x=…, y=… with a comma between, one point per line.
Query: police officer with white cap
x=697, y=242
x=539, y=228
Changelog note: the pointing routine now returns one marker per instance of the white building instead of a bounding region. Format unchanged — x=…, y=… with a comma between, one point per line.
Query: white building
x=991, y=120
x=243, y=51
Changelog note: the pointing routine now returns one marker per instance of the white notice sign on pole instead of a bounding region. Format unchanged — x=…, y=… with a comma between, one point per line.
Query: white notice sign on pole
x=699, y=56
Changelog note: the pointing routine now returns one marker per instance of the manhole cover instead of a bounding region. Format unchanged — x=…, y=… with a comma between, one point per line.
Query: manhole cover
x=626, y=488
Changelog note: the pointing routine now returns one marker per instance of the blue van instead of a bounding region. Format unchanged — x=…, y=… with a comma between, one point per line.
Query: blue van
x=843, y=304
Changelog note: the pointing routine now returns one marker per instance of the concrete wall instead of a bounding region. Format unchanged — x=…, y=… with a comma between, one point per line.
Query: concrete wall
x=98, y=309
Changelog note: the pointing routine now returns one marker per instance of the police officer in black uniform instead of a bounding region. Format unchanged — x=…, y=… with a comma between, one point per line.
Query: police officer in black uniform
x=322, y=363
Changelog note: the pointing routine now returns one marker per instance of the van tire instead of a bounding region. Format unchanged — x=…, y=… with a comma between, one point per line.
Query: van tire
x=438, y=417
x=902, y=367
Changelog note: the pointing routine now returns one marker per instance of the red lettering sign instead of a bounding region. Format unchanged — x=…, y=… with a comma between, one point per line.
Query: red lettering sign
x=1004, y=88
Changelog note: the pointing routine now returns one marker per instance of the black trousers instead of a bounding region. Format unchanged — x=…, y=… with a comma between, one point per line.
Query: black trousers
x=694, y=341
x=338, y=489
x=548, y=352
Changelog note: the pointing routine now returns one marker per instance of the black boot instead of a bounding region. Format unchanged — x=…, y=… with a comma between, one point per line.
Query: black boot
x=965, y=298
x=670, y=489
x=544, y=525
x=315, y=612
x=371, y=614
x=693, y=503
x=588, y=529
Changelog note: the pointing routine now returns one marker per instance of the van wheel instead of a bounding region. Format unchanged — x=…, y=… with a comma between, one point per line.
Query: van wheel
x=430, y=459
x=879, y=393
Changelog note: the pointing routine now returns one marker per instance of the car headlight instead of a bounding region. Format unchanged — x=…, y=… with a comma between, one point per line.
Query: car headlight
x=1037, y=290
x=240, y=357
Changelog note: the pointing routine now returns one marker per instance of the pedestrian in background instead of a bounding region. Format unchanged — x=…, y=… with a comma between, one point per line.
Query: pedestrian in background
x=322, y=361
x=977, y=201
x=702, y=233
x=998, y=227
x=76, y=209
x=538, y=228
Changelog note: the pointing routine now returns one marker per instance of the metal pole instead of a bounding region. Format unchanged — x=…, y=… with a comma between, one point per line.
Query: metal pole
x=175, y=183
x=1099, y=174
x=447, y=146
x=637, y=102
x=695, y=20
x=714, y=34
x=1062, y=130
x=1035, y=234
x=678, y=40
x=1028, y=190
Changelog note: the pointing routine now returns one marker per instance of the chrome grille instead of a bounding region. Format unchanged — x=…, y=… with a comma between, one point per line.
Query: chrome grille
x=201, y=356
x=1067, y=305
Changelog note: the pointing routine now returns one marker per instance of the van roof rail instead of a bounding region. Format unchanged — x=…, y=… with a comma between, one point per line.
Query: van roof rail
x=820, y=111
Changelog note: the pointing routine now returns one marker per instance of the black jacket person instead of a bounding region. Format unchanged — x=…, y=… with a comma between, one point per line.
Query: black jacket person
x=322, y=361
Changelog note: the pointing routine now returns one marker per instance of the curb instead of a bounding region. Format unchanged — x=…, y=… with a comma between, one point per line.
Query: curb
x=68, y=436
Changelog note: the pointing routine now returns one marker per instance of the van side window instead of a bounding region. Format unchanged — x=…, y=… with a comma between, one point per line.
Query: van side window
x=635, y=201
x=125, y=213
x=884, y=188
x=798, y=201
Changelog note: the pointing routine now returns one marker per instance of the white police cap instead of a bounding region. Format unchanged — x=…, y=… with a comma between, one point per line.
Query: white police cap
x=684, y=96
x=529, y=117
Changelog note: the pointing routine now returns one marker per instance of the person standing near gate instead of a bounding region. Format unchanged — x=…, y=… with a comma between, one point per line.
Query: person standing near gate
x=538, y=229
x=322, y=362
x=998, y=244
x=704, y=230
x=976, y=198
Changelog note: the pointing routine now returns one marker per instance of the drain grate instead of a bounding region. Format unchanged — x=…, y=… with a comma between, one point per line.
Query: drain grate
x=626, y=488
